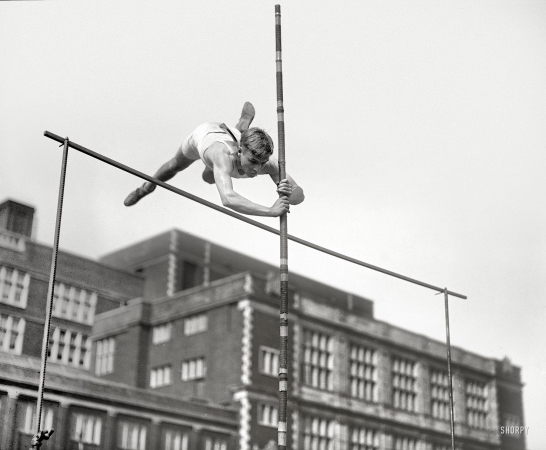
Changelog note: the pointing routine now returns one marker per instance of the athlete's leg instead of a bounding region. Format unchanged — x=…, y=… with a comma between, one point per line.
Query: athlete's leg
x=247, y=116
x=164, y=173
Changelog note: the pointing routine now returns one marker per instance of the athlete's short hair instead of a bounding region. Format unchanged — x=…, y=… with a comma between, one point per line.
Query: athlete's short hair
x=257, y=141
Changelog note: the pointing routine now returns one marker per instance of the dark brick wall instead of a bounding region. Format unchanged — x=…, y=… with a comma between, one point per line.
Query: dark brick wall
x=510, y=400
x=126, y=358
x=156, y=277
x=34, y=335
x=83, y=271
x=224, y=353
x=221, y=347
x=266, y=332
x=71, y=269
x=135, y=256
x=262, y=434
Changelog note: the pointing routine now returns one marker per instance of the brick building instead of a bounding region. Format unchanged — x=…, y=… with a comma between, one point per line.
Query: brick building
x=85, y=411
x=207, y=327
x=184, y=355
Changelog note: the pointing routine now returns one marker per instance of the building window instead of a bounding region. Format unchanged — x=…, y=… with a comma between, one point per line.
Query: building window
x=318, y=434
x=195, y=324
x=87, y=428
x=69, y=348
x=404, y=383
x=160, y=376
x=476, y=404
x=364, y=439
x=176, y=440
x=404, y=443
x=215, y=443
x=269, y=361
x=12, y=331
x=132, y=436
x=318, y=360
x=161, y=333
x=268, y=415
x=46, y=421
x=105, y=356
x=363, y=373
x=74, y=304
x=439, y=384
x=14, y=287
x=194, y=369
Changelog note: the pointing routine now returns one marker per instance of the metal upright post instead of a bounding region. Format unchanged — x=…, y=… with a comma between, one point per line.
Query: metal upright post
x=448, y=341
x=40, y=434
x=283, y=316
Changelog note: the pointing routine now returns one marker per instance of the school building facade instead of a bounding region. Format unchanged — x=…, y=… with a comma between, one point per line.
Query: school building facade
x=184, y=355
x=86, y=412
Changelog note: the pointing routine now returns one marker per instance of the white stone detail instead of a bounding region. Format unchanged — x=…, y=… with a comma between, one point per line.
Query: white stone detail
x=295, y=429
x=246, y=367
x=244, y=420
x=249, y=284
x=296, y=355
x=171, y=277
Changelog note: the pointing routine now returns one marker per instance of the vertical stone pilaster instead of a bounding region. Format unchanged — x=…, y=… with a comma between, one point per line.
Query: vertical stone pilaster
x=110, y=431
x=492, y=422
x=385, y=441
x=195, y=438
x=341, y=362
x=62, y=430
x=295, y=367
x=9, y=425
x=459, y=400
x=423, y=388
x=384, y=379
x=154, y=434
x=422, y=444
x=342, y=437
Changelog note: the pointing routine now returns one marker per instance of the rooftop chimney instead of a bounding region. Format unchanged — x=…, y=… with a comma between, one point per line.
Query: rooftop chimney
x=16, y=217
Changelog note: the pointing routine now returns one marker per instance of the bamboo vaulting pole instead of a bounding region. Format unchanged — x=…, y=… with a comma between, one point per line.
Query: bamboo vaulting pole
x=283, y=314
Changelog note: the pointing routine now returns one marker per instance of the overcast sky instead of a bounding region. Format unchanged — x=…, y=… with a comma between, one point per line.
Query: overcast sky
x=415, y=128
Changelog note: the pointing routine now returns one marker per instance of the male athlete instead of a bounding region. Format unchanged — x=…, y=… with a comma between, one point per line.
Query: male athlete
x=239, y=152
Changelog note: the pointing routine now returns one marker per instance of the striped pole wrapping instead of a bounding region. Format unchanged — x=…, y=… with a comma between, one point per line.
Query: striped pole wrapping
x=283, y=316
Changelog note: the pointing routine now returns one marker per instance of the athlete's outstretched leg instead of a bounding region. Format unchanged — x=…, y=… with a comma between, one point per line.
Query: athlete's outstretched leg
x=247, y=116
x=165, y=172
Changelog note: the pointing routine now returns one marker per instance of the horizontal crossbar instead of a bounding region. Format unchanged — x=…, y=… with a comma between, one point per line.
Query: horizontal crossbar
x=241, y=217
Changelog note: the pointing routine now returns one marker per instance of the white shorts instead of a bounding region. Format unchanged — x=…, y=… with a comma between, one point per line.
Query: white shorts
x=202, y=138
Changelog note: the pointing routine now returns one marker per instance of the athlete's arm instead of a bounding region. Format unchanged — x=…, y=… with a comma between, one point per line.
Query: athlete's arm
x=230, y=198
x=287, y=186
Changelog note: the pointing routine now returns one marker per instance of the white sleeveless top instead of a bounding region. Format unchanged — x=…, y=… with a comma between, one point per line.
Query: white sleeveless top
x=209, y=133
